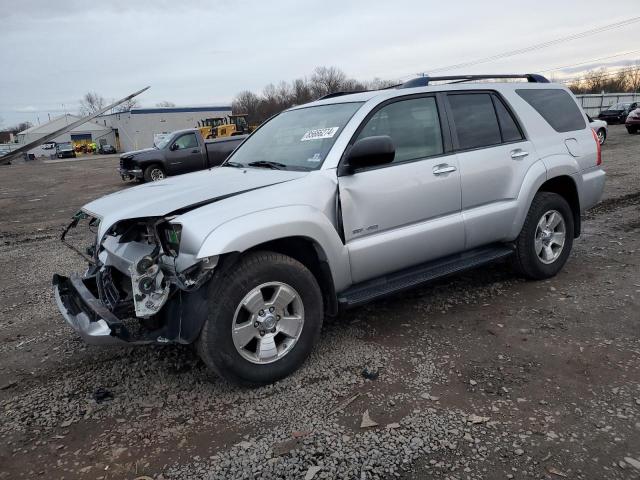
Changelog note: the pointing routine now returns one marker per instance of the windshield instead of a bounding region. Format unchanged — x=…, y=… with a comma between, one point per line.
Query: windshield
x=296, y=139
x=162, y=142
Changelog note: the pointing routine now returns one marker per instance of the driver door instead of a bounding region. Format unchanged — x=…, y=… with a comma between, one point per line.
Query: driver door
x=184, y=155
x=407, y=212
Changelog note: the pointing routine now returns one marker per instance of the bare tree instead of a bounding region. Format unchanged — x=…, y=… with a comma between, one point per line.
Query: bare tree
x=325, y=80
x=128, y=105
x=165, y=104
x=277, y=97
x=594, y=80
x=633, y=78
x=91, y=103
x=20, y=127
x=249, y=103
x=301, y=92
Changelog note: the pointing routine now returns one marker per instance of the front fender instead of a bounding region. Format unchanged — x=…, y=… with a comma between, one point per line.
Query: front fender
x=242, y=233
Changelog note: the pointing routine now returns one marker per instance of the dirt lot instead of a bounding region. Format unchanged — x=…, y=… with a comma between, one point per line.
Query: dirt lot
x=482, y=375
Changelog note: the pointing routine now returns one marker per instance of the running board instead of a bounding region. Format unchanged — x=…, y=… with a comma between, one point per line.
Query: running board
x=412, y=277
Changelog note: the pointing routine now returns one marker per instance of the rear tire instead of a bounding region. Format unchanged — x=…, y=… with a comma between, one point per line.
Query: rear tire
x=242, y=340
x=602, y=136
x=632, y=130
x=154, y=173
x=545, y=242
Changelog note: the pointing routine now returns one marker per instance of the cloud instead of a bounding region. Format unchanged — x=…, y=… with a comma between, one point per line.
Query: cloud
x=201, y=52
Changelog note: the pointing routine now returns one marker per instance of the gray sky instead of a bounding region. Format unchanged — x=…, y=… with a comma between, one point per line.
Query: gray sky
x=203, y=52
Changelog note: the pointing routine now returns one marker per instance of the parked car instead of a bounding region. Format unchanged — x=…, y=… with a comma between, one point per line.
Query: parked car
x=633, y=121
x=106, y=149
x=182, y=152
x=600, y=127
x=617, y=113
x=330, y=205
x=65, y=150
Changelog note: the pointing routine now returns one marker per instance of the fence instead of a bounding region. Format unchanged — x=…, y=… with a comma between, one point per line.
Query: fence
x=592, y=104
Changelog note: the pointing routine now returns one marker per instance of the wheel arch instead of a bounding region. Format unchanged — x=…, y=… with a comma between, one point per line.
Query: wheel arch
x=565, y=186
x=311, y=255
x=300, y=231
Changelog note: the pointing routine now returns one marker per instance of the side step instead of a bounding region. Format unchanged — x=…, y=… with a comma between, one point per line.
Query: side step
x=411, y=277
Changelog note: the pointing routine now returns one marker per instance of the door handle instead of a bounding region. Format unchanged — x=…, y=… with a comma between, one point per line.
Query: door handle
x=443, y=168
x=195, y=151
x=518, y=154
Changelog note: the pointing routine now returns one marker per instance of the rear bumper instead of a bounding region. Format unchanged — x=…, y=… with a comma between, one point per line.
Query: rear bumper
x=94, y=323
x=592, y=187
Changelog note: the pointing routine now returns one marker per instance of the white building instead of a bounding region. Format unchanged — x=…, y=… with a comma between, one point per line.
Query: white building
x=136, y=129
x=132, y=130
x=86, y=133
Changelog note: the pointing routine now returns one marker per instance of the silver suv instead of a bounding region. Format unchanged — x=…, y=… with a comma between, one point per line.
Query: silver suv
x=333, y=204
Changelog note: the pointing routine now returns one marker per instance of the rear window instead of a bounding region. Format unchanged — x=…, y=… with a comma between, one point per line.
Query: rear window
x=556, y=107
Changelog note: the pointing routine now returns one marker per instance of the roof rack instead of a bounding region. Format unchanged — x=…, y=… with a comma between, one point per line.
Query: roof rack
x=339, y=94
x=424, y=81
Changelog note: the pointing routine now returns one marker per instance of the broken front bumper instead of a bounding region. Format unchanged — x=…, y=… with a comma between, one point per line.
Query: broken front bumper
x=86, y=314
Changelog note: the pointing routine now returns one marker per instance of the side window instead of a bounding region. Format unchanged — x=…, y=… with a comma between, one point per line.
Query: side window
x=508, y=126
x=556, y=107
x=413, y=125
x=187, y=141
x=475, y=120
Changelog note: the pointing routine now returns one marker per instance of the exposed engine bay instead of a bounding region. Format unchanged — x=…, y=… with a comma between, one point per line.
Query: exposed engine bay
x=135, y=272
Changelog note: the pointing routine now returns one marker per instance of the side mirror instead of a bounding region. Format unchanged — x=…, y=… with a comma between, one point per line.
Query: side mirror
x=174, y=147
x=369, y=152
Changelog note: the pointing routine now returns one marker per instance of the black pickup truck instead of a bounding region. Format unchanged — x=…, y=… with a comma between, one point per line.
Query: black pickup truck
x=182, y=152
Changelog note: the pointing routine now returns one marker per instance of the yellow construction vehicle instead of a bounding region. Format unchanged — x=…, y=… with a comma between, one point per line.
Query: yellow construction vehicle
x=224, y=126
x=207, y=126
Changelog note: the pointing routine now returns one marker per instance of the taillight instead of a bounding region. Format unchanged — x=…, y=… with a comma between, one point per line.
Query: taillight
x=598, y=146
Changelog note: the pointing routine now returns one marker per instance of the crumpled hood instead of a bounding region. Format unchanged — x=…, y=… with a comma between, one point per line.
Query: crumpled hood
x=181, y=193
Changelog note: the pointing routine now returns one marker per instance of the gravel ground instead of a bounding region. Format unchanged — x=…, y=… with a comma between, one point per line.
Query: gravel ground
x=481, y=375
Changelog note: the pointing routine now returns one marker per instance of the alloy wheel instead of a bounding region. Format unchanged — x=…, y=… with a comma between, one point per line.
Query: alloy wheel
x=268, y=322
x=550, y=236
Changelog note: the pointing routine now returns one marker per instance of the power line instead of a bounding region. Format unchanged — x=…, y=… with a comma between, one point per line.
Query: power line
x=534, y=47
x=588, y=61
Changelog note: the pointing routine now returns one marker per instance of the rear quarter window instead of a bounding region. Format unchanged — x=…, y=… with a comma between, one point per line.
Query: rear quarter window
x=556, y=107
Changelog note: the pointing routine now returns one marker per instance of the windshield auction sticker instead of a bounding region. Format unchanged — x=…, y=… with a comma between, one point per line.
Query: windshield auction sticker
x=319, y=133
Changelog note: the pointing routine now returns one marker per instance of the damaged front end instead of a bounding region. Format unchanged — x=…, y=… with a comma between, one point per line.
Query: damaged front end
x=139, y=287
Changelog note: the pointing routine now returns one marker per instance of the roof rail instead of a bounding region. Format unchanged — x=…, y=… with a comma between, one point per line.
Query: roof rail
x=339, y=94
x=424, y=81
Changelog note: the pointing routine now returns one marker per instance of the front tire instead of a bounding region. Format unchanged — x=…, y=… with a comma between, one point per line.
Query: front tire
x=602, y=136
x=264, y=317
x=632, y=129
x=545, y=242
x=154, y=173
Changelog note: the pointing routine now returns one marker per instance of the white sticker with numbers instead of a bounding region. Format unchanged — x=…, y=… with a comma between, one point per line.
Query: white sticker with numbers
x=319, y=133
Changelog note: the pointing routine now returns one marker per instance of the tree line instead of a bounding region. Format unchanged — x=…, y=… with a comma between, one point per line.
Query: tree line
x=276, y=97
x=626, y=80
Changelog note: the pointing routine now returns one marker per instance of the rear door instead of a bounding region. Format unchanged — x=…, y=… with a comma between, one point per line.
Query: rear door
x=186, y=155
x=406, y=212
x=494, y=157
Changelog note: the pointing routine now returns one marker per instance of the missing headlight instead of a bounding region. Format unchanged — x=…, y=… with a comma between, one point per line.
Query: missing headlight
x=169, y=235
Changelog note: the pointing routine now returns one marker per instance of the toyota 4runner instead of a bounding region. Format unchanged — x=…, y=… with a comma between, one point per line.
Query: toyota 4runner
x=333, y=204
